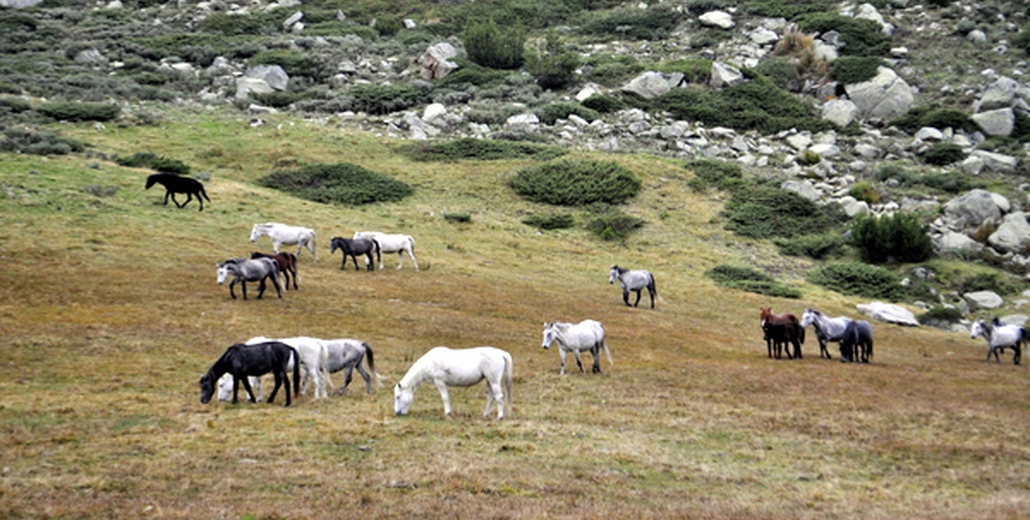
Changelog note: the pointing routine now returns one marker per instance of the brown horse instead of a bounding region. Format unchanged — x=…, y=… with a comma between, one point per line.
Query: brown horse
x=287, y=266
x=780, y=330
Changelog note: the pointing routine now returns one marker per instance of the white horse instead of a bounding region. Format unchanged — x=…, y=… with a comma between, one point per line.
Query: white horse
x=634, y=280
x=464, y=367
x=826, y=329
x=314, y=359
x=399, y=244
x=289, y=235
x=347, y=354
x=998, y=337
x=585, y=335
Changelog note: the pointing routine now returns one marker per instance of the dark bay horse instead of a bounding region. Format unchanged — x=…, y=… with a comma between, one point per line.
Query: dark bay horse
x=174, y=183
x=287, y=266
x=256, y=360
x=353, y=247
x=857, y=343
x=782, y=330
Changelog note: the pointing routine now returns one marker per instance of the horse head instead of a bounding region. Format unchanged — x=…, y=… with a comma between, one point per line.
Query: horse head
x=225, y=269
x=614, y=273
x=151, y=180
x=256, y=232
x=979, y=327
x=402, y=398
x=549, y=335
x=207, y=388
x=334, y=244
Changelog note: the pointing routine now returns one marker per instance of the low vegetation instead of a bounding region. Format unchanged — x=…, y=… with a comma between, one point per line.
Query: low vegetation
x=750, y=280
x=341, y=183
x=480, y=150
x=576, y=183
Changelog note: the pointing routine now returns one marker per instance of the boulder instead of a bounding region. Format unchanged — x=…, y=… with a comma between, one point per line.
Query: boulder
x=999, y=94
x=273, y=75
x=951, y=241
x=529, y=123
x=720, y=19
x=840, y=112
x=998, y=122
x=983, y=299
x=996, y=162
x=246, y=85
x=888, y=312
x=436, y=62
x=1013, y=235
x=651, y=84
x=803, y=188
x=971, y=210
x=886, y=96
x=723, y=75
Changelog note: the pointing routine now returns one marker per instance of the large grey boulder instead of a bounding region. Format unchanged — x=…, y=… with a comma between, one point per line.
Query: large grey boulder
x=999, y=94
x=720, y=19
x=840, y=112
x=723, y=75
x=884, y=97
x=651, y=84
x=245, y=85
x=1013, y=235
x=436, y=61
x=998, y=122
x=971, y=210
x=983, y=299
x=996, y=162
x=951, y=241
x=18, y=4
x=273, y=75
x=888, y=312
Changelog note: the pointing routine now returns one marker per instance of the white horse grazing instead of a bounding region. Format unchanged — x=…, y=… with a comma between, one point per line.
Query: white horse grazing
x=289, y=235
x=465, y=367
x=998, y=337
x=346, y=354
x=634, y=280
x=399, y=244
x=826, y=329
x=585, y=335
x=314, y=359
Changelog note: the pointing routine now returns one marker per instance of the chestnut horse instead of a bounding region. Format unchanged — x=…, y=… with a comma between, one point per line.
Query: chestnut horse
x=781, y=329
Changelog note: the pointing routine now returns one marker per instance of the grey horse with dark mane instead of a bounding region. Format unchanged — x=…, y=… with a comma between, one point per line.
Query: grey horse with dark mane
x=634, y=280
x=245, y=270
x=353, y=247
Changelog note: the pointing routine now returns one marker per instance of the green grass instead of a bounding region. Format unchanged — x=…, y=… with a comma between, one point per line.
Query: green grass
x=111, y=313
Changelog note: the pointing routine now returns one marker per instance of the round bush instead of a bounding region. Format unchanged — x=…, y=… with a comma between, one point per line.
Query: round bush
x=576, y=183
x=943, y=154
x=858, y=279
x=344, y=183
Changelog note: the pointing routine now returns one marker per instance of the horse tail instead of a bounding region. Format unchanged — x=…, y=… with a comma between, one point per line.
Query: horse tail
x=296, y=371
x=371, y=362
x=203, y=192
x=604, y=346
x=653, y=287
x=293, y=265
x=313, y=248
x=508, y=377
x=379, y=250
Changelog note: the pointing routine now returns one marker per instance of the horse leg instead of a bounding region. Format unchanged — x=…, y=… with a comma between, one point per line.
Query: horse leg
x=579, y=362
x=365, y=376
x=596, y=351
x=442, y=387
x=246, y=386
x=494, y=395
x=1018, y=354
x=189, y=197
x=638, y=298
x=200, y=200
x=411, y=253
x=233, y=293
x=261, y=288
x=275, y=283
x=650, y=292
x=369, y=261
x=168, y=194
x=400, y=259
x=279, y=374
x=625, y=297
x=562, y=355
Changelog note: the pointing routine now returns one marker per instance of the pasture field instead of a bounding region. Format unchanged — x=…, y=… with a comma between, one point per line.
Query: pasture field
x=110, y=314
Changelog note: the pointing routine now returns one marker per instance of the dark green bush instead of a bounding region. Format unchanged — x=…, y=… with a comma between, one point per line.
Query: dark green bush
x=712, y=173
x=550, y=221
x=940, y=317
x=278, y=99
x=903, y=177
x=947, y=118
x=473, y=74
x=553, y=66
x=819, y=246
x=943, y=154
x=550, y=113
x=764, y=212
x=900, y=238
x=995, y=282
x=861, y=37
x=458, y=218
x=480, y=150
x=71, y=111
x=263, y=23
x=857, y=279
x=788, y=10
x=693, y=70
x=849, y=70
x=383, y=99
x=342, y=183
x=951, y=181
x=294, y=63
x=492, y=46
x=782, y=72
x=14, y=105
x=611, y=224
x=576, y=183
x=612, y=71
x=750, y=280
x=154, y=162
x=653, y=23
x=603, y=103
x=38, y=143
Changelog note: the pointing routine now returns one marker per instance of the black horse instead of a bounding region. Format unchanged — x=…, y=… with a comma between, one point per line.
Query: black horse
x=179, y=184
x=857, y=343
x=287, y=265
x=353, y=247
x=242, y=361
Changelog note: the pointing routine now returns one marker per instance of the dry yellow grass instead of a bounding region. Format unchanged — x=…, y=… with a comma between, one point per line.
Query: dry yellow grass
x=110, y=313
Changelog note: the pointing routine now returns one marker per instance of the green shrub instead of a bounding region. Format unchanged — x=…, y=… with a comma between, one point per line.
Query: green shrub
x=849, y=70
x=947, y=118
x=553, y=66
x=750, y=280
x=14, y=105
x=603, y=103
x=901, y=238
x=550, y=113
x=995, y=282
x=480, y=150
x=154, y=162
x=652, y=23
x=294, y=63
x=492, y=46
x=772, y=212
x=546, y=222
x=611, y=224
x=856, y=279
x=612, y=71
x=384, y=99
x=278, y=99
x=254, y=24
x=693, y=70
x=788, y=10
x=943, y=154
x=903, y=177
x=810, y=158
x=72, y=111
x=940, y=317
x=951, y=181
x=819, y=246
x=457, y=218
x=712, y=173
x=861, y=37
x=342, y=183
x=576, y=183
x=782, y=72
x=864, y=191
x=473, y=74
x=38, y=143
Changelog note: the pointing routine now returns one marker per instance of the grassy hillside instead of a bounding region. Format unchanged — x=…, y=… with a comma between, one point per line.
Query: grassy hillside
x=111, y=314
